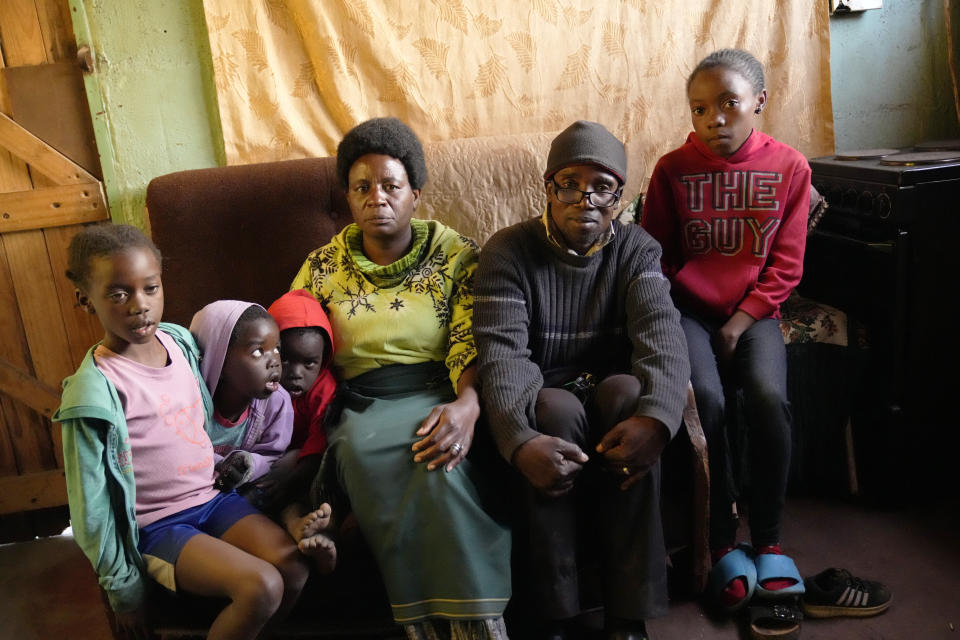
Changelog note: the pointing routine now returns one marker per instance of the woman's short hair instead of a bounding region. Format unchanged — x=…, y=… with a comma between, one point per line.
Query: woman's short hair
x=102, y=240
x=387, y=136
x=736, y=60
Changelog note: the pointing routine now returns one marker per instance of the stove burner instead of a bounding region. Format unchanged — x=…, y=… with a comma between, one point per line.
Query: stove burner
x=865, y=154
x=921, y=158
x=939, y=145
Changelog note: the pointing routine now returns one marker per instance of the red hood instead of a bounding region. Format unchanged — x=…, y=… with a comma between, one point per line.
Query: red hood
x=299, y=308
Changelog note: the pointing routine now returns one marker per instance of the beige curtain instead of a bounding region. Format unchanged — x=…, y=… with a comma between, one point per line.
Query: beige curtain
x=293, y=75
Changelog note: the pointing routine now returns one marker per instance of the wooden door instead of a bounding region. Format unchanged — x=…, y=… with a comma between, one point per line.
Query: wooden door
x=45, y=197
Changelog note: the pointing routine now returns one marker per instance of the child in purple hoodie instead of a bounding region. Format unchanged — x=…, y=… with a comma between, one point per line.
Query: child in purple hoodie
x=253, y=415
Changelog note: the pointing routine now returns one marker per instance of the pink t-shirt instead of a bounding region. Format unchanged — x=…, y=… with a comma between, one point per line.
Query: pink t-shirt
x=172, y=454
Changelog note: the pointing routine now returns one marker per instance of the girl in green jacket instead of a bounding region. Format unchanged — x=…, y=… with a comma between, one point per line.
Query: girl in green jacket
x=139, y=465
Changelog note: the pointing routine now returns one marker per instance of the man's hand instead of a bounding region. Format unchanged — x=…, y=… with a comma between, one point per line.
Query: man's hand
x=632, y=447
x=234, y=470
x=550, y=464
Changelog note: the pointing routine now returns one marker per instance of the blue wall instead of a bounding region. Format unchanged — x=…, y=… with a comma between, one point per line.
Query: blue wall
x=889, y=76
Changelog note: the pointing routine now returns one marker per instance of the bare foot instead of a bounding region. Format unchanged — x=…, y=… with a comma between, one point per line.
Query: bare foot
x=323, y=551
x=315, y=521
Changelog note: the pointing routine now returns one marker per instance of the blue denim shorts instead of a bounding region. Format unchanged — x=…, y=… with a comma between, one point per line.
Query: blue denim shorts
x=162, y=541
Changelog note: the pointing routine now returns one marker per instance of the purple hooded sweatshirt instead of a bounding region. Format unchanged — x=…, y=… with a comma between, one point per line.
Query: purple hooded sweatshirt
x=269, y=425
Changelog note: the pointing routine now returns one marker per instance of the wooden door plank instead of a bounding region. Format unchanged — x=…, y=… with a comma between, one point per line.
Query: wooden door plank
x=39, y=155
x=36, y=293
x=33, y=491
x=30, y=437
x=14, y=175
x=23, y=434
x=49, y=100
x=28, y=434
x=57, y=28
x=52, y=207
x=21, y=386
x=8, y=457
x=21, y=34
x=83, y=329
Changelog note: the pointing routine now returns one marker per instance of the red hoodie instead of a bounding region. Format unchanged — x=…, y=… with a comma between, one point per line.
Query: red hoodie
x=300, y=309
x=733, y=230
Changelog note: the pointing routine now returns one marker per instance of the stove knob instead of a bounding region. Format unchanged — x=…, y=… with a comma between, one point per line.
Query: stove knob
x=882, y=206
x=834, y=196
x=850, y=198
x=865, y=203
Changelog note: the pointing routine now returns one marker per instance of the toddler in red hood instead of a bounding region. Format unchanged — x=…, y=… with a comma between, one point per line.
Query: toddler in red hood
x=306, y=351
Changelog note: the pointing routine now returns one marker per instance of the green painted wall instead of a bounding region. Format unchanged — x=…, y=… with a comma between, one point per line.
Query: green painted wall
x=151, y=94
x=890, y=76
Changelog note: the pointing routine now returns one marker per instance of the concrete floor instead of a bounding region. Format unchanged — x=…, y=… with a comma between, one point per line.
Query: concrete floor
x=49, y=591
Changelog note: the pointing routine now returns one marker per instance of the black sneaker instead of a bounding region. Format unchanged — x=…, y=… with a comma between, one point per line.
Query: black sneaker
x=837, y=592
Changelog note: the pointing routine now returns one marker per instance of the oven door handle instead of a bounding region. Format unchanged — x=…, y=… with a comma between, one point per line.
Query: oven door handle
x=885, y=246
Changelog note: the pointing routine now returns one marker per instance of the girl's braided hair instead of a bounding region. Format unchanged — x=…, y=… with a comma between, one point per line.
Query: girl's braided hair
x=736, y=60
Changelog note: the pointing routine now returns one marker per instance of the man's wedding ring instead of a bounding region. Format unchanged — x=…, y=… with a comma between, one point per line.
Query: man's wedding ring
x=625, y=470
x=456, y=448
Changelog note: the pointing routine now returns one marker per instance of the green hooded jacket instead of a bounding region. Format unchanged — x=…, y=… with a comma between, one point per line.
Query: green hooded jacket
x=100, y=488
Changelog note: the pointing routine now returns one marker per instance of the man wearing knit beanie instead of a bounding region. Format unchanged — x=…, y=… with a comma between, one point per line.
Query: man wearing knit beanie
x=584, y=370
x=586, y=169
x=586, y=142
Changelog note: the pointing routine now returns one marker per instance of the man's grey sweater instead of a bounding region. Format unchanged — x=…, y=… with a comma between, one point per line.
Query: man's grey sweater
x=544, y=314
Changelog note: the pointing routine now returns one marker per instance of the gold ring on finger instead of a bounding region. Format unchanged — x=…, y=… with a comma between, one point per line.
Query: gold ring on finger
x=625, y=470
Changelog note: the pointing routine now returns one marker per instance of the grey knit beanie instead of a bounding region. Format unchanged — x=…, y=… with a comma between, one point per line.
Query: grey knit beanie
x=586, y=142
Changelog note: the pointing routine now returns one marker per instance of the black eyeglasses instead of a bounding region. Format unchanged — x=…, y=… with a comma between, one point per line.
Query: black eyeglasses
x=569, y=195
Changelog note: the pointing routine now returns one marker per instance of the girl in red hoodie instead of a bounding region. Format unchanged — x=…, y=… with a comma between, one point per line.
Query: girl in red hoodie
x=729, y=208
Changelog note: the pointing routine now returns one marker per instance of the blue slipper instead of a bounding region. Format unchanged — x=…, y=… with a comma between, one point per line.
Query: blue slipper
x=771, y=566
x=736, y=564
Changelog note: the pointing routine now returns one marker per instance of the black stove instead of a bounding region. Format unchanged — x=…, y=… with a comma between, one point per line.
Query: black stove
x=874, y=191
x=887, y=253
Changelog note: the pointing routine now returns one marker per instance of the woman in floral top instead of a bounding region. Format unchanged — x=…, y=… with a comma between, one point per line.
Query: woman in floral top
x=399, y=294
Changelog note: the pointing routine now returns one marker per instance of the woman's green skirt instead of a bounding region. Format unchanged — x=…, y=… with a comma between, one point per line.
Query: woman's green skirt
x=439, y=550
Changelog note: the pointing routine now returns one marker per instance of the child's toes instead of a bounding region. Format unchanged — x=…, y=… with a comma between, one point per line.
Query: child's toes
x=316, y=521
x=323, y=551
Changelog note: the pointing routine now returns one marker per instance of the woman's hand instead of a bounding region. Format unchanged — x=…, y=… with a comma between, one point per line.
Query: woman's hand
x=447, y=426
x=632, y=446
x=448, y=430
x=132, y=625
x=729, y=334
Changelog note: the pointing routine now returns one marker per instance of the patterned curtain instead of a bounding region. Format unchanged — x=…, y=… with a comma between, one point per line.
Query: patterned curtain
x=293, y=76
